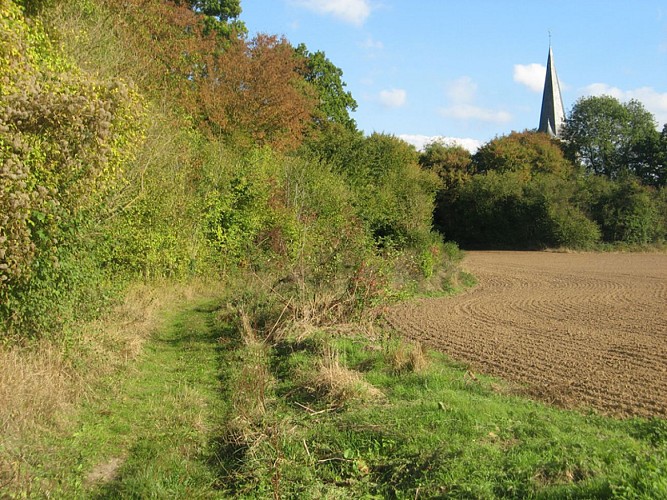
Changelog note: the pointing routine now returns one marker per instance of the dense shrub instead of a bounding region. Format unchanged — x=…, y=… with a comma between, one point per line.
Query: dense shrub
x=295, y=220
x=64, y=138
x=452, y=164
x=526, y=194
x=504, y=210
x=393, y=194
x=629, y=212
x=527, y=152
x=95, y=199
x=661, y=202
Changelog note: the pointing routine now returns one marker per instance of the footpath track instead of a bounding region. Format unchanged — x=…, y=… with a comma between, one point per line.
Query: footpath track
x=575, y=330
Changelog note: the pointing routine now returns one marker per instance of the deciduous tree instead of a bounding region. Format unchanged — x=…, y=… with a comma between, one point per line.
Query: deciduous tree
x=335, y=103
x=612, y=138
x=254, y=91
x=221, y=15
x=453, y=164
x=526, y=152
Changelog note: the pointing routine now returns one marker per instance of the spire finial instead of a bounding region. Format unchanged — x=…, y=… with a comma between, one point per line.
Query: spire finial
x=549, y=38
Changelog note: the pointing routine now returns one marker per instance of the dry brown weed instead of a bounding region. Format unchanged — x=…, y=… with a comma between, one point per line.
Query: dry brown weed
x=407, y=357
x=340, y=384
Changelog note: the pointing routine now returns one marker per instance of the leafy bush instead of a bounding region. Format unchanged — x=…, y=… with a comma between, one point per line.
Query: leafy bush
x=571, y=228
x=528, y=152
x=629, y=213
x=394, y=195
x=504, y=210
x=64, y=138
x=452, y=164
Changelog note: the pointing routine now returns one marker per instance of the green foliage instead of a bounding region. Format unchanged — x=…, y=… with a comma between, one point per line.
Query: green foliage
x=614, y=139
x=491, y=210
x=527, y=152
x=335, y=104
x=64, y=139
x=525, y=194
x=338, y=226
x=628, y=213
x=452, y=164
x=295, y=220
x=661, y=204
x=572, y=229
x=221, y=15
x=234, y=219
x=32, y=7
x=394, y=195
x=504, y=210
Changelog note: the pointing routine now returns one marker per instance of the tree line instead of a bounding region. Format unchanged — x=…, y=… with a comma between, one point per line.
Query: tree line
x=151, y=139
x=602, y=182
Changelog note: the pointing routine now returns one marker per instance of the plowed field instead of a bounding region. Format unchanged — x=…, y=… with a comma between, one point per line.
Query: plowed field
x=576, y=330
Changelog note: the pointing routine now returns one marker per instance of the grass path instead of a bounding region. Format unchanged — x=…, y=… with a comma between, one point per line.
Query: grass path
x=207, y=414
x=149, y=433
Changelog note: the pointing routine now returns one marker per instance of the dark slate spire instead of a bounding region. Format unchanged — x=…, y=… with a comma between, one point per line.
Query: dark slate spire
x=553, y=113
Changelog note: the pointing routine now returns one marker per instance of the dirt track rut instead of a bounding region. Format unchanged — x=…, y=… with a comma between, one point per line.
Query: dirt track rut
x=575, y=330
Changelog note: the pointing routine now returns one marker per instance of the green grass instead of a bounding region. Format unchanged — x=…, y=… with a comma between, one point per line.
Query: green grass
x=211, y=412
x=437, y=433
x=149, y=431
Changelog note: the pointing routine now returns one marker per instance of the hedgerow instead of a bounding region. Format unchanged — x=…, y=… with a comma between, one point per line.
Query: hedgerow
x=64, y=139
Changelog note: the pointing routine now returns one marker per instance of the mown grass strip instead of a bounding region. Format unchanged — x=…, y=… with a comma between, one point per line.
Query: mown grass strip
x=149, y=431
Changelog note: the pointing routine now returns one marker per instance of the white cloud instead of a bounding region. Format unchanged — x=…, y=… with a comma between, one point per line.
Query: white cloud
x=471, y=112
x=461, y=94
x=420, y=141
x=530, y=75
x=351, y=11
x=461, y=90
x=394, y=98
x=653, y=101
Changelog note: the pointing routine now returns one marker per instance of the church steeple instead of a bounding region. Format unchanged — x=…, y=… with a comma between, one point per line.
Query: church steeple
x=552, y=116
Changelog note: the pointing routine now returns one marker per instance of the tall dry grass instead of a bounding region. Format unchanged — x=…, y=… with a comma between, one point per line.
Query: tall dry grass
x=338, y=383
x=407, y=357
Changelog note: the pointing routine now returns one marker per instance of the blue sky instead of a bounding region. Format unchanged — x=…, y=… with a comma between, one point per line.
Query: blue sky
x=474, y=69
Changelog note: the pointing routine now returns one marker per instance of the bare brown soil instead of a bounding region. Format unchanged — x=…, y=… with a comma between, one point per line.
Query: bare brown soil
x=576, y=330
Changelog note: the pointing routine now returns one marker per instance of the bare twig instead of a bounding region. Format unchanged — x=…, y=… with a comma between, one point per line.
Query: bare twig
x=314, y=412
x=273, y=328
x=334, y=459
x=307, y=450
